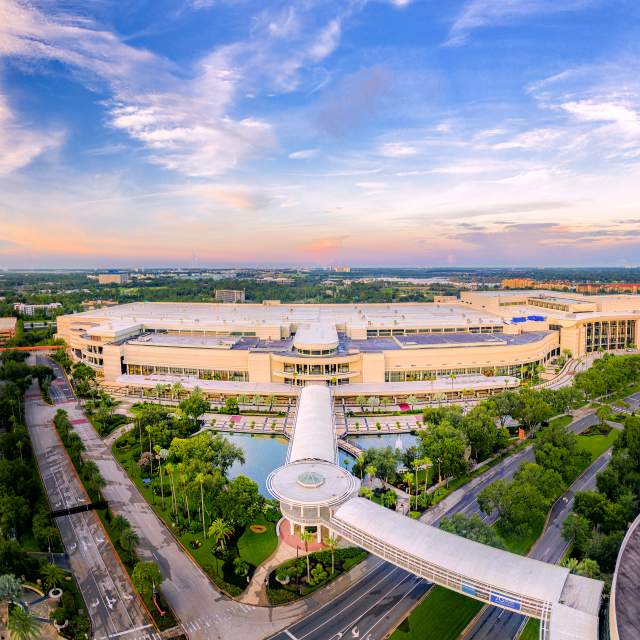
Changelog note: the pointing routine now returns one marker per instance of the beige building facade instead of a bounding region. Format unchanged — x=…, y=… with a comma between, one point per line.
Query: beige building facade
x=481, y=343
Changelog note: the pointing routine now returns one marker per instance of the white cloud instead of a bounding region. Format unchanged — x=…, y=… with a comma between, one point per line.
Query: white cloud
x=19, y=145
x=483, y=13
x=184, y=122
x=304, y=154
x=530, y=140
x=397, y=150
x=327, y=41
x=605, y=111
x=371, y=185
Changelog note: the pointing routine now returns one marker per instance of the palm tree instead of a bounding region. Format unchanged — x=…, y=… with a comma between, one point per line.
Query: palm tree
x=407, y=478
x=242, y=399
x=161, y=454
x=257, y=401
x=416, y=465
x=220, y=531
x=201, y=478
x=159, y=389
x=52, y=576
x=371, y=471
x=426, y=461
x=452, y=377
x=271, y=399
x=360, y=460
x=332, y=544
x=411, y=400
x=360, y=400
x=129, y=539
x=176, y=390
x=22, y=625
x=170, y=471
x=307, y=537
x=184, y=478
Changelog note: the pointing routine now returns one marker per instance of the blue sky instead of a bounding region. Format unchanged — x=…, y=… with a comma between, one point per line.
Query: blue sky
x=379, y=132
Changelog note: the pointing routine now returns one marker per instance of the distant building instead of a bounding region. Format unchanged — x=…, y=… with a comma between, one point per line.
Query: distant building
x=7, y=329
x=113, y=278
x=230, y=295
x=90, y=305
x=33, y=309
x=518, y=283
x=341, y=269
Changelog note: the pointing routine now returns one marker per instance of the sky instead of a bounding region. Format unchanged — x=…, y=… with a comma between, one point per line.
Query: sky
x=308, y=132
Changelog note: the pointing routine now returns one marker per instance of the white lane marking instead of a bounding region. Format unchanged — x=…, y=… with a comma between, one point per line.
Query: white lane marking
x=290, y=634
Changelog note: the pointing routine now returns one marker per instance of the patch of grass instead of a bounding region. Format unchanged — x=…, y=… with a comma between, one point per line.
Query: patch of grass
x=255, y=548
x=442, y=615
x=597, y=444
x=561, y=421
x=521, y=543
x=531, y=630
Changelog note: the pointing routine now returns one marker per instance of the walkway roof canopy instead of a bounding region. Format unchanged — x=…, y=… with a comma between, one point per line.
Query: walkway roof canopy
x=503, y=570
x=313, y=436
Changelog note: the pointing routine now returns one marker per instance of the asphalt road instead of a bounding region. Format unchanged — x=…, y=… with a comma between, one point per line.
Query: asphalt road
x=112, y=606
x=375, y=606
x=500, y=624
x=382, y=617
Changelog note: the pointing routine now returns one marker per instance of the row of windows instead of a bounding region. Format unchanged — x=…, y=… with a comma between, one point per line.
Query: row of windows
x=545, y=304
x=316, y=352
x=609, y=334
x=373, y=333
x=523, y=370
x=300, y=382
x=203, y=374
x=316, y=369
x=195, y=332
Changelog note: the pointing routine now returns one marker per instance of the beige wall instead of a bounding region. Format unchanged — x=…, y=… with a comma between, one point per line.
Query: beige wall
x=469, y=357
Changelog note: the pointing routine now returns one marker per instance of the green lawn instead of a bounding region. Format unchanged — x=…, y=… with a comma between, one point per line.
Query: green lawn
x=561, y=421
x=255, y=548
x=442, y=615
x=532, y=630
x=596, y=445
x=521, y=544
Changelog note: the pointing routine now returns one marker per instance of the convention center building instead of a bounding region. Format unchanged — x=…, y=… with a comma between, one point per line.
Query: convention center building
x=475, y=345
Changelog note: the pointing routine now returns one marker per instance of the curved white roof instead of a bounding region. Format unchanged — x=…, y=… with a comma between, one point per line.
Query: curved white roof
x=313, y=435
x=503, y=570
x=316, y=335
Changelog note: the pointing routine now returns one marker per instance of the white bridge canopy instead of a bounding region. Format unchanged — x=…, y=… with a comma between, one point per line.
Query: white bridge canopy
x=314, y=434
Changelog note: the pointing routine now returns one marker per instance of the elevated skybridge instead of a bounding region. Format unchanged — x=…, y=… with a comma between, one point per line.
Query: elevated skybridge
x=314, y=490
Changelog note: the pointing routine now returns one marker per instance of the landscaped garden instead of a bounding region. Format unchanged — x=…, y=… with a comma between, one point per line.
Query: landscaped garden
x=299, y=577
x=225, y=524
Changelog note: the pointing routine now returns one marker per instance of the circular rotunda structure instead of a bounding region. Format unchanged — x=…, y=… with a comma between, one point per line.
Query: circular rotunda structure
x=311, y=485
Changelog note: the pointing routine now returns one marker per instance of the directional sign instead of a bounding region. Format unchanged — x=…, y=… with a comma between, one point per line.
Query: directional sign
x=505, y=601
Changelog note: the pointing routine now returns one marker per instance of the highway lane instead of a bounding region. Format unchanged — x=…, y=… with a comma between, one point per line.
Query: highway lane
x=382, y=616
x=317, y=627
x=499, y=624
x=111, y=604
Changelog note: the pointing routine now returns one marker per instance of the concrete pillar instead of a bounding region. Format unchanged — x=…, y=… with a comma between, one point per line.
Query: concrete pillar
x=292, y=528
x=319, y=534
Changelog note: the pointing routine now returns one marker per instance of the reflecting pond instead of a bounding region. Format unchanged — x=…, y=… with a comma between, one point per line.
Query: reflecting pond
x=401, y=441
x=263, y=454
